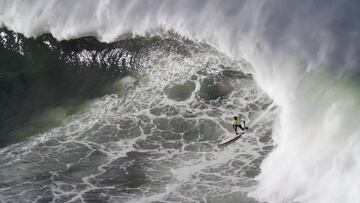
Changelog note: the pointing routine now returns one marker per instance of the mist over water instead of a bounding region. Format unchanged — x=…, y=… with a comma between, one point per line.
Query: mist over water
x=304, y=55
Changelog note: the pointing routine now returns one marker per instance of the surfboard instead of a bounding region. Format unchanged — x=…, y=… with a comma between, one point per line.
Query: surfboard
x=231, y=139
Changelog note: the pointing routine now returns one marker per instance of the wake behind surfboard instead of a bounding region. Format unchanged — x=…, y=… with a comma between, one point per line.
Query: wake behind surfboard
x=231, y=139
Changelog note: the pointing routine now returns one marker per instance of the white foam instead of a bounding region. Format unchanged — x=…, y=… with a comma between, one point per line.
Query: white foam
x=171, y=168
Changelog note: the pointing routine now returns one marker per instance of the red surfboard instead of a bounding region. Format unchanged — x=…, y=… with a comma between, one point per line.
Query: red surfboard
x=231, y=139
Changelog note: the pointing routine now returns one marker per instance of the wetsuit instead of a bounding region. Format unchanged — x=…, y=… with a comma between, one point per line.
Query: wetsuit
x=237, y=124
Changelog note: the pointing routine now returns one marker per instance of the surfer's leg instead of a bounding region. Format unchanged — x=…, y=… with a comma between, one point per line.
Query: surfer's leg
x=245, y=126
x=241, y=127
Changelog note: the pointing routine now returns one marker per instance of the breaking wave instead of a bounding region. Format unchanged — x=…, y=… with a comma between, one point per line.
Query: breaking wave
x=160, y=122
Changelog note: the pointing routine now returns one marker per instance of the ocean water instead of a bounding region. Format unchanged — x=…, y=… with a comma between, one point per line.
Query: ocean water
x=126, y=101
x=127, y=121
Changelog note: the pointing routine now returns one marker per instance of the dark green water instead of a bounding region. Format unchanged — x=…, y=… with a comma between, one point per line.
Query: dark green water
x=40, y=86
x=44, y=81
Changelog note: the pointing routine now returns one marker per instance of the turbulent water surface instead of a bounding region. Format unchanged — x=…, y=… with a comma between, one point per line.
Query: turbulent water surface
x=153, y=135
x=126, y=101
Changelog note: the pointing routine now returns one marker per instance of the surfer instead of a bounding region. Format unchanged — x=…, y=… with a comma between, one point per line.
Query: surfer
x=237, y=124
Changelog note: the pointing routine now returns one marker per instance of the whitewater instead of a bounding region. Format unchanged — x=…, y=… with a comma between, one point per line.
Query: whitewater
x=290, y=68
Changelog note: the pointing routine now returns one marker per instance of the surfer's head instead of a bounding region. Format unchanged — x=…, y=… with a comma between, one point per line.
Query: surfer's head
x=235, y=118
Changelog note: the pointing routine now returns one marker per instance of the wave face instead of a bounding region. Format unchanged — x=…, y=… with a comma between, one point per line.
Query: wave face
x=148, y=132
x=43, y=80
x=305, y=55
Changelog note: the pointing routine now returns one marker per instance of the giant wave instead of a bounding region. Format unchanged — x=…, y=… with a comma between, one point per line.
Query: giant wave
x=305, y=56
